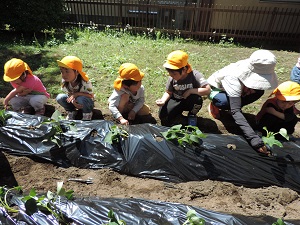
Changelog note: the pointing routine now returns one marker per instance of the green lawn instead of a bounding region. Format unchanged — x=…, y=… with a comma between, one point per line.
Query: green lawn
x=102, y=52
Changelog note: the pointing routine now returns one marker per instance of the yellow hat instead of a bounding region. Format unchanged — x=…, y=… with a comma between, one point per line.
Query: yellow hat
x=128, y=71
x=176, y=60
x=288, y=91
x=14, y=68
x=73, y=62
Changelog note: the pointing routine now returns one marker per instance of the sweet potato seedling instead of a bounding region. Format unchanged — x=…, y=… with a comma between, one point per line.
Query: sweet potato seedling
x=34, y=203
x=3, y=117
x=193, y=219
x=57, y=128
x=190, y=135
x=279, y=222
x=115, y=134
x=4, y=198
x=113, y=219
x=270, y=139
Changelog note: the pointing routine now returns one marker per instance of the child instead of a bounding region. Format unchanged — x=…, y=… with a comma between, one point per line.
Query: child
x=79, y=91
x=277, y=112
x=295, y=76
x=127, y=99
x=29, y=91
x=184, y=89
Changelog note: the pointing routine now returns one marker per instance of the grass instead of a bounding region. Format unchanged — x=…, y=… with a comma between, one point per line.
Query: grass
x=102, y=52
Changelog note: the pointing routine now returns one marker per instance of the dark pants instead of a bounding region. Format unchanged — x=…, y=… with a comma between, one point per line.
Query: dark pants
x=221, y=100
x=273, y=124
x=174, y=108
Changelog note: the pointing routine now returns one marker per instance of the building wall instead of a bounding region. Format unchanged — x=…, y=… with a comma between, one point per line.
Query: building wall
x=256, y=16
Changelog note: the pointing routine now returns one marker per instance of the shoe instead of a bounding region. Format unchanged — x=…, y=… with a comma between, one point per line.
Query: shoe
x=40, y=112
x=87, y=116
x=71, y=115
x=213, y=111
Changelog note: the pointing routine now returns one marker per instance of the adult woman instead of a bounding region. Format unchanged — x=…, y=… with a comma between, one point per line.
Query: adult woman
x=240, y=84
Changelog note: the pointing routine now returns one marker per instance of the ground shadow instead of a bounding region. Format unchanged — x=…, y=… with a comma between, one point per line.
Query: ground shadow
x=228, y=122
x=7, y=177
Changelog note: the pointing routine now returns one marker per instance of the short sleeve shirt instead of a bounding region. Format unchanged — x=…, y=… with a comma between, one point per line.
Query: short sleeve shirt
x=194, y=79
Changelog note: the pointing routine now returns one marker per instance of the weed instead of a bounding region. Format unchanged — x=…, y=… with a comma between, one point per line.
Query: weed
x=270, y=139
x=190, y=135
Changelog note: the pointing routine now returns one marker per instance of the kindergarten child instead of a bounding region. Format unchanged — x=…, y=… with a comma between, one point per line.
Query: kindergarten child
x=29, y=91
x=295, y=76
x=184, y=89
x=78, y=88
x=127, y=99
x=278, y=112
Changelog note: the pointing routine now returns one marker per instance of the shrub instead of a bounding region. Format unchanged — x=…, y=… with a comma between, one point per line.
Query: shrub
x=32, y=16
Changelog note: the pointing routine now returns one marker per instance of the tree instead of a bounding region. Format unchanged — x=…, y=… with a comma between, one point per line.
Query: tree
x=33, y=15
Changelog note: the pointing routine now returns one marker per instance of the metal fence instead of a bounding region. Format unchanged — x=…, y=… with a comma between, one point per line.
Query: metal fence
x=189, y=19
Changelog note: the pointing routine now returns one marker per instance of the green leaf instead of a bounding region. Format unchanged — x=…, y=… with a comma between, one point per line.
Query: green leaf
x=194, y=138
x=284, y=133
x=191, y=213
x=50, y=195
x=31, y=206
x=56, y=116
x=279, y=222
x=59, y=188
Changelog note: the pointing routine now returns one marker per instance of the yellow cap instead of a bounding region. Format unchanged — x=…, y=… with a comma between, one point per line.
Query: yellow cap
x=288, y=91
x=73, y=62
x=128, y=71
x=14, y=68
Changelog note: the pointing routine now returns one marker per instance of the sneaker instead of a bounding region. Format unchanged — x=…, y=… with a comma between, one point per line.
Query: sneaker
x=87, y=116
x=213, y=111
x=40, y=111
x=71, y=115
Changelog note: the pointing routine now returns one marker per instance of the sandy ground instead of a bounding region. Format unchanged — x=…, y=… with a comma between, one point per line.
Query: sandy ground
x=213, y=195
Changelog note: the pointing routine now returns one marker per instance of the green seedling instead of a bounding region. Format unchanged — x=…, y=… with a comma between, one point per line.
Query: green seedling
x=3, y=117
x=193, y=219
x=113, y=220
x=4, y=194
x=33, y=203
x=57, y=128
x=190, y=135
x=279, y=222
x=115, y=133
x=270, y=139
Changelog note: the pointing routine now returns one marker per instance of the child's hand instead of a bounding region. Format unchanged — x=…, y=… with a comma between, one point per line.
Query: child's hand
x=186, y=93
x=131, y=115
x=5, y=103
x=77, y=105
x=124, y=121
x=160, y=102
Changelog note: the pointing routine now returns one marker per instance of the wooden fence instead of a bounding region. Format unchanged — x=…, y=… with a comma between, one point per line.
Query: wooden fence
x=190, y=20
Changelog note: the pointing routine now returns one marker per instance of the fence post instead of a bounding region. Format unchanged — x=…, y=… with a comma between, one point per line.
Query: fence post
x=270, y=27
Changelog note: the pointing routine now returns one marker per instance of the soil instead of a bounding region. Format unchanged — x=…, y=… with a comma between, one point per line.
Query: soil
x=218, y=196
